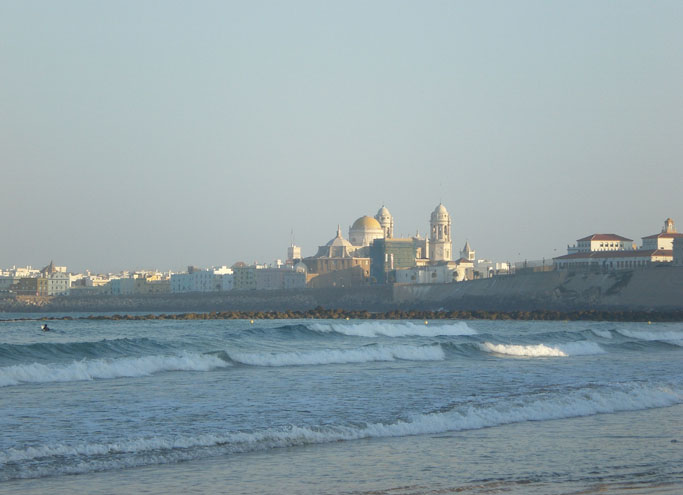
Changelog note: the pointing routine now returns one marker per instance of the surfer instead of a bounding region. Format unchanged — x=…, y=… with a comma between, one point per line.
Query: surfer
x=44, y=328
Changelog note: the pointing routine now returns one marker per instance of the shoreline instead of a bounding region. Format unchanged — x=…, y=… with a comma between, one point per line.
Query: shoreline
x=340, y=314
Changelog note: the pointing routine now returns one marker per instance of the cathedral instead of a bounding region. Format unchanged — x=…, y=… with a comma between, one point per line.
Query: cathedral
x=372, y=252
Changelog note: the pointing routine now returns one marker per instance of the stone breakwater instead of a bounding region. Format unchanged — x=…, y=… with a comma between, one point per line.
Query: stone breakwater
x=339, y=314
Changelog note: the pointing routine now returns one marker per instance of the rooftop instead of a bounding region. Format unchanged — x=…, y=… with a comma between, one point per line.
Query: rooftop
x=604, y=237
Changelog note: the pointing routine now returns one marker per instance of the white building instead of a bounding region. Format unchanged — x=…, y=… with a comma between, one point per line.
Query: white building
x=196, y=280
x=600, y=242
x=430, y=274
x=58, y=284
x=227, y=281
x=467, y=252
x=293, y=254
x=281, y=278
x=122, y=286
x=607, y=252
x=440, y=245
x=484, y=268
x=23, y=272
x=663, y=240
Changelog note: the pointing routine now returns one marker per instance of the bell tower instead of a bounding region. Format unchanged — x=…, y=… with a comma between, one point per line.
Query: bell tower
x=386, y=221
x=440, y=245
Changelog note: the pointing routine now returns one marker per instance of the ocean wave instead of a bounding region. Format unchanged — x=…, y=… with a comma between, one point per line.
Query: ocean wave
x=86, y=349
x=394, y=329
x=661, y=336
x=605, y=334
x=542, y=350
x=341, y=356
x=107, y=368
x=37, y=461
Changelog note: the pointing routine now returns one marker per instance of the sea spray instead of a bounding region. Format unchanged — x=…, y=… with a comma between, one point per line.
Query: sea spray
x=543, y=350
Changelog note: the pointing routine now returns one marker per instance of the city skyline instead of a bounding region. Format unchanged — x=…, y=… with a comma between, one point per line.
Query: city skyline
x=145, y=135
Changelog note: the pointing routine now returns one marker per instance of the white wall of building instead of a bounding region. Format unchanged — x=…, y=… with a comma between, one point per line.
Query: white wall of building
x=214, y=279
x=435, y=274
x=58, y=284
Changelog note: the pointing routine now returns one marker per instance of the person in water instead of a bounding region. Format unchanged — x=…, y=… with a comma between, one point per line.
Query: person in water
x=44, y=328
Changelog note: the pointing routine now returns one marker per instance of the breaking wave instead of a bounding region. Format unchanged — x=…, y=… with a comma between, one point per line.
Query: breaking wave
x=394, y=329
x=46, y=460
x=341, y=356
x=542, y=350
x=107, y=368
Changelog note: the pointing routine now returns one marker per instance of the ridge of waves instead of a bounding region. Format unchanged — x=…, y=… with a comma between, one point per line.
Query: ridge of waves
x=669, y=337
x=47, y=460
x=107, y=368
x=83, y=349
x=365, y=354
x=393, y=329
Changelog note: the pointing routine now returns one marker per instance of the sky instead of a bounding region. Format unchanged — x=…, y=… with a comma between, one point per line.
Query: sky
x=162, y=134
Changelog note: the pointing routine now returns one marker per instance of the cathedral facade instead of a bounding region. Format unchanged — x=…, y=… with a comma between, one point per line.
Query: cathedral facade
x=372, y=251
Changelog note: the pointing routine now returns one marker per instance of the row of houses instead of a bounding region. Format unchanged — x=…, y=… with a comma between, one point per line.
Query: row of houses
x=238, y=277
x=50, y=281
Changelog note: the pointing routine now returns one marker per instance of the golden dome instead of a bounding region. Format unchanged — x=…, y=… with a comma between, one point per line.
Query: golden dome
x=366, y=223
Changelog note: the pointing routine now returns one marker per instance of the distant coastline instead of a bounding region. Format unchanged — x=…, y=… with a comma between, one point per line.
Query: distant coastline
x=642, y=295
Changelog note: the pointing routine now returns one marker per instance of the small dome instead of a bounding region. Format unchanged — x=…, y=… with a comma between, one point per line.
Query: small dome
x=366, y=223
x=440, y=214
x=339, y=240
x=383, y=212
x=441, y=210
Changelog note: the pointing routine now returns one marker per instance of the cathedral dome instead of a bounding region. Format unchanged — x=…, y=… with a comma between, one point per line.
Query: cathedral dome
x=364, y=231
x=366, y=223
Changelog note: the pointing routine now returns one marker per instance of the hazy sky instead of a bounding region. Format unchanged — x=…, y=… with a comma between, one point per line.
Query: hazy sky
x=159, y=134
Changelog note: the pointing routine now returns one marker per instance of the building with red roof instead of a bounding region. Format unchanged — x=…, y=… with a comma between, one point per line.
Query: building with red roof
x=606, y=252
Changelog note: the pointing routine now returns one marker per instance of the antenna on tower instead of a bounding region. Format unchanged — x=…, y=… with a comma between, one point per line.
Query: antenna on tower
x=291, y=239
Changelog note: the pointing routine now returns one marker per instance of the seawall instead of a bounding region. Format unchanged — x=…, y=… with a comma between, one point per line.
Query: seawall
x=652, y=289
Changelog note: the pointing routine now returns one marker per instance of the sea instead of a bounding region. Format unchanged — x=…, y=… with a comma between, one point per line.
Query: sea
x=353, y=407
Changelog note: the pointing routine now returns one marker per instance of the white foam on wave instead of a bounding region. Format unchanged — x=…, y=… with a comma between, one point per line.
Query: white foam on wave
x=342, y=356
x=394, y=329
x=107, y=368
x=159, y=450
x=542, y=350
x=662, y=336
